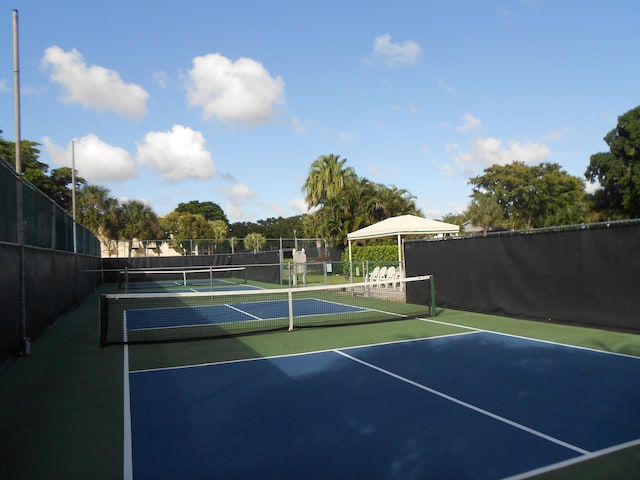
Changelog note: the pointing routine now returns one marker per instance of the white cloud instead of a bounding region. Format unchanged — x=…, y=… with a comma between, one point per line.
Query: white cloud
x=3, y=86
x=160, y=77
x=241, y=91
x=177, y=154
x=298, y=126
x=394, y=54
x=446, y=88
x=93, y=86
x=491, y=151
x=377, y=173
x=95, y=160
x=298, y=205
x=237, y=195
x=554, y=135
x=470, y=123
x=347, y=136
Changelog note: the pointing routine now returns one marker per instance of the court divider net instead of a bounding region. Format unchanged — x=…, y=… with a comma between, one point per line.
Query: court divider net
x=207, y=277
x=164, y=317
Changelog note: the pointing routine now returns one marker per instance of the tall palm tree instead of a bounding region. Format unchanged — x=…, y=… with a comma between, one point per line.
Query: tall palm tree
x=98, y=211
x=326, y=180
x=138, y=221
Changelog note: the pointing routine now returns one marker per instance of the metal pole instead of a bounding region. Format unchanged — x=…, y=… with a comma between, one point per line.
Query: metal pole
x=25, y=347
x=73, y=194
x=16, y=91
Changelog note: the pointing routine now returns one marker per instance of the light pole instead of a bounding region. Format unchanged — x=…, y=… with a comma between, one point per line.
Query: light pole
x=73, y=193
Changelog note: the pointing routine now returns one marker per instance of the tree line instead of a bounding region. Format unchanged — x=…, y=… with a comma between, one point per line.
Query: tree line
x=513, y=196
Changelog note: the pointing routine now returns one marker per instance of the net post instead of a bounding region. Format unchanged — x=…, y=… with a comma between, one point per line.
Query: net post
x=184, y=278
x=290, y=298
x=432, y=286
x=211, y=278
x=126, y=279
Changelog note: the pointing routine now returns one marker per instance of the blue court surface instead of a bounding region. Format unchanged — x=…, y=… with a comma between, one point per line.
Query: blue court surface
x=471, y=406
x=144, y=319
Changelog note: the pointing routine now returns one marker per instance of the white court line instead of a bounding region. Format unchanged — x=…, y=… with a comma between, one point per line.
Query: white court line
x=127, y=473
x=533, y=339
x=467, y=405
x=573, y=461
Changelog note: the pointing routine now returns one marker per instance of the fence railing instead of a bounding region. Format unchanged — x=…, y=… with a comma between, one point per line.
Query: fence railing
x=45, y=224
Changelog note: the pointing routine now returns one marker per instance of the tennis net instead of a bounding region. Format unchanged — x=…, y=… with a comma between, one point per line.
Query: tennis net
x=154, y=317
x=166, y=278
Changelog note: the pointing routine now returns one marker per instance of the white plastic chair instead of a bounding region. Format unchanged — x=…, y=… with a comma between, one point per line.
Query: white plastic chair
x=373, y=276
x=390, y=277
x=396, y=280
x=382, y=276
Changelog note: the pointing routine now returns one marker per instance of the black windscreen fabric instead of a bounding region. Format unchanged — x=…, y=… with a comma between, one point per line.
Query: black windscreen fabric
x=587, y=276
x=267, y=264
x=10, y=334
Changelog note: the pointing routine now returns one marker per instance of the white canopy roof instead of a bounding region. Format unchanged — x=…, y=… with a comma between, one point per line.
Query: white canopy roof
x=399, y=226
x=403, y=225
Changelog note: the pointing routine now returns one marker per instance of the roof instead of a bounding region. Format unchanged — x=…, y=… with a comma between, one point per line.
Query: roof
x=403, y=225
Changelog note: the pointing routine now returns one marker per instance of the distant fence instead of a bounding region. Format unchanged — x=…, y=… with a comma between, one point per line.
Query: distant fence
x=584, y=274
x=40, y=277
x=317, y=249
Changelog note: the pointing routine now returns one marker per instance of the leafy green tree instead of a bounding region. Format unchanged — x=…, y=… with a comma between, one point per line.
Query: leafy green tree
x=455, y=219
x=254, y=241
x=618, y=170
x=137, y=221
x=280, y=227
x=219, y=230
x=56, y=184
x=533, y=196
x=98, y=211
x=209, y=210
x=242, y=229
x=485, y=212
x=29, y=154
x=347, y=202
x=183, y=228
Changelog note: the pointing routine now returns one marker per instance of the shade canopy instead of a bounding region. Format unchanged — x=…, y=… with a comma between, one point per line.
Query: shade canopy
x=400, y=226
x=403, y=225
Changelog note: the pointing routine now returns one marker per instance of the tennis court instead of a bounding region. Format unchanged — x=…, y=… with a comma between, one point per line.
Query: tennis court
x=475, y=405
x=153, y=318
x=459, y=395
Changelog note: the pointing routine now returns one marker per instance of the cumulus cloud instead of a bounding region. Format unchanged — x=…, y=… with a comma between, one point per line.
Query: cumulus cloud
x=491, y=151
x=395, y=54
x=241, y=91
x=93, y=86
x=96, y=161
x=177, y=154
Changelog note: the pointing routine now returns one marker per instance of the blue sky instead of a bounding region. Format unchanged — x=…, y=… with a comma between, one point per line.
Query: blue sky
x=232, y=101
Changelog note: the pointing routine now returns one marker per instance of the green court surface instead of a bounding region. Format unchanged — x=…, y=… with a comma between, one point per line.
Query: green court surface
x=61, y=408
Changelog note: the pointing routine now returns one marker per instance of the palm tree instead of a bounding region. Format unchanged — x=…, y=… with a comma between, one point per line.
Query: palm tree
x=138, y=220
x=326, y=180
x=98, y=211
x=254, y=241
